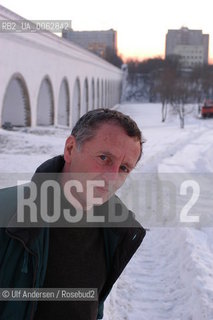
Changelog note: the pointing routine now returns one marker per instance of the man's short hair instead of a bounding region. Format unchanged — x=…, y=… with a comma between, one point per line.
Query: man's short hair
x=86, y=127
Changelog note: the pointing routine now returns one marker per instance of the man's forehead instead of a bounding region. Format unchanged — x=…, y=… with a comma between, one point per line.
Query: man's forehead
x=113, y=139
x=110, y=131
x=108, y=126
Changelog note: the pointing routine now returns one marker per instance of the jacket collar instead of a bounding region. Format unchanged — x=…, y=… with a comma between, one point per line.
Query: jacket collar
x=27, y=235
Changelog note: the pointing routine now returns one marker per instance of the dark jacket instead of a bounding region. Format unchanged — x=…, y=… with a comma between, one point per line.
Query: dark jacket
x=24, y=252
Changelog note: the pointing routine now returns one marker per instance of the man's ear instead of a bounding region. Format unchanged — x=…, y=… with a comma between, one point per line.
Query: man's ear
x=70, y=145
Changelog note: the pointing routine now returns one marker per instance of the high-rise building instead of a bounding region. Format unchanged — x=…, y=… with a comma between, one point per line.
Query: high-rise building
x=98, y=42
x=192, y=46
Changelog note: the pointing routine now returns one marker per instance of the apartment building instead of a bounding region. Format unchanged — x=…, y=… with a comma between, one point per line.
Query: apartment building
x=192, y=46
x=98, y=42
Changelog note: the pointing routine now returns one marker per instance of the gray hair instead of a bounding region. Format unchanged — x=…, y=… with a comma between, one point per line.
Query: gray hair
x=86, y=127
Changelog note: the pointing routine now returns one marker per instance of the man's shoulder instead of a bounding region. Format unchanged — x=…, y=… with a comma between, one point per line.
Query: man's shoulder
x=8, y=198
x=51, y=165
x=122, y=221
x=130, y=217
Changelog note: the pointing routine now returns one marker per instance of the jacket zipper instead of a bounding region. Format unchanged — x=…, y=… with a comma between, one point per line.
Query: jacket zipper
x=36, y=268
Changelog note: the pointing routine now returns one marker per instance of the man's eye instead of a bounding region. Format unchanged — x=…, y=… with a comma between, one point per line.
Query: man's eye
x=103, y=157
x=124, y=169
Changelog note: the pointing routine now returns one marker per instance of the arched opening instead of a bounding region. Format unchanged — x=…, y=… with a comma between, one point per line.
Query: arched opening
x=113, y=93
x=110, y=93
x=85, y=102
x=93, y=95
x=119, y=90
x=106, y=95
x=45, y=106
x=76, y=103
x=16, y=103
x=63, y=104
x=102, y=93
x=98, y=94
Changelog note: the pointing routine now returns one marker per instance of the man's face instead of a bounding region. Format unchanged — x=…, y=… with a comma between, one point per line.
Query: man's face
x=108, y=158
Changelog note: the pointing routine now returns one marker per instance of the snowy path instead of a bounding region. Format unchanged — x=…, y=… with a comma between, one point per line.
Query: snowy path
x=171, y=275
x=170, y=278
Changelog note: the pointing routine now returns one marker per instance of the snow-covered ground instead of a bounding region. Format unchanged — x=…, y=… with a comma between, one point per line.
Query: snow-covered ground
x=171, y=275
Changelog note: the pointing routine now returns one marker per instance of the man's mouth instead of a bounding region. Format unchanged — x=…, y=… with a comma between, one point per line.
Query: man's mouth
x=102, y=189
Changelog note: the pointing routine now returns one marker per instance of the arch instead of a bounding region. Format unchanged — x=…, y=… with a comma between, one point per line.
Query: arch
x=106, y=95
x=98, y=94
x=102, y=93
x=85, y=102
x=119, y=91
x=16, y=103
x=63, y=103
x=113, y=93
x=109, y=93
x=92, y=94
x=45, y=104
x=76, y=102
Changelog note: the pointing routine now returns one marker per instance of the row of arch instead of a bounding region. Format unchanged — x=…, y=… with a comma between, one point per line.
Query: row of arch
x=66, y=111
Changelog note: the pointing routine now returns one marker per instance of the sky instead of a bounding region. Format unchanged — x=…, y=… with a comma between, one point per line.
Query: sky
x=141, y=25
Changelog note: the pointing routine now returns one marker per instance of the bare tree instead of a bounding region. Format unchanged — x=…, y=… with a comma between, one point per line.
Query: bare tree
x=166, y=84
x=181, y=95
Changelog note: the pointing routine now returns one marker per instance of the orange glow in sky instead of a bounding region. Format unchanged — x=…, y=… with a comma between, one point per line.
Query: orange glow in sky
x=141, y=25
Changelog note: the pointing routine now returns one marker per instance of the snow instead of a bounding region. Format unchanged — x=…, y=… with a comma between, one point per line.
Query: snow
x=171, y=274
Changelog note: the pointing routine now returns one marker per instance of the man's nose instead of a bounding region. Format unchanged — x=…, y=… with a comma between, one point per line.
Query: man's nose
x=112, y=173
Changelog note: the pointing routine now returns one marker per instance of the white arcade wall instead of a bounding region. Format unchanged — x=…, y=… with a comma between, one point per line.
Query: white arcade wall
x=46, y=80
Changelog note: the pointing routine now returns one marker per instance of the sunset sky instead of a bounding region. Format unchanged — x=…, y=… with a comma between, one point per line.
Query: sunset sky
x=141, y=25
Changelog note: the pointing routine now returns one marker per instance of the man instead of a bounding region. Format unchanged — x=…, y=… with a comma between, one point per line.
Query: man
x=104, y=147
